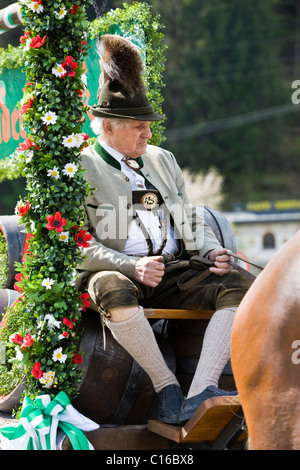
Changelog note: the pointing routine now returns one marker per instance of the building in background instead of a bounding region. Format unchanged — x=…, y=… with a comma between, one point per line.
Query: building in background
x=262, y=228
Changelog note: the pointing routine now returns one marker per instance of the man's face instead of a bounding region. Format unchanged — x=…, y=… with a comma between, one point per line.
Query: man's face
x=131, y=139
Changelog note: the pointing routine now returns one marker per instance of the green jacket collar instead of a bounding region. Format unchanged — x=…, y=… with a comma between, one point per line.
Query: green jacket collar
x=109, y=159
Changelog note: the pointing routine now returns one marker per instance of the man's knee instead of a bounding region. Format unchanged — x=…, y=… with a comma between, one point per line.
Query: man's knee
x=233, y=287
x=112, y=290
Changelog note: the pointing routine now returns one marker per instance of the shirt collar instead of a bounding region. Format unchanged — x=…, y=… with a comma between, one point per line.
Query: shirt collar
x=110, y=155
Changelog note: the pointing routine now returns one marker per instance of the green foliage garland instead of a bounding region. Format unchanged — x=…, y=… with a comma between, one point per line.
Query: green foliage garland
x=46, y=323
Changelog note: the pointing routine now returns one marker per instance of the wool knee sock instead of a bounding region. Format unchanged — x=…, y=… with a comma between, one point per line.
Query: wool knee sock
x=136, y=336
x=215, y=351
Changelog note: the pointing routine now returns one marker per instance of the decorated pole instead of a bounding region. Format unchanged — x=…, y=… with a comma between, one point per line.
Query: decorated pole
x=10, y=17
x=47, y=319
x=42, y=331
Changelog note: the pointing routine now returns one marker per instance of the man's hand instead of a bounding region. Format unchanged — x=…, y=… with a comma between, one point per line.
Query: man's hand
x=149, y=270
x=221, y=259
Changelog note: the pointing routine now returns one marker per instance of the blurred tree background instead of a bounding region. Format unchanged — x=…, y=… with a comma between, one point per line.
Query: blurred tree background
x=227, y=97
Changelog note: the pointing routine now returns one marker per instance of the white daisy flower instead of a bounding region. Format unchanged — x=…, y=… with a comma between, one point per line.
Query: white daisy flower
x=48, y=283
x=78, y=138
x=69, y=140
x=59, y=356
x=73, y=277
x=51, y=322
x=58, y=70
x=40, y=323
x=49, y=118
x=48, y=379
x=32, y=226
x=63, y=236
x=29, y=156
x=61, y=13
x=35, y=7
x=43, y=380
x=83, y=78
x=19, y=355
x=54, y=173
x=70, y=169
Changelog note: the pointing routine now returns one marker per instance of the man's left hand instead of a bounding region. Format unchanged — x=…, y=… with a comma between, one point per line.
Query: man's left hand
x=221, y=261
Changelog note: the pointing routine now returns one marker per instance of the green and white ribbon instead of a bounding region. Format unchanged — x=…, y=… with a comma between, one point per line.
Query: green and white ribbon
x=39, y=422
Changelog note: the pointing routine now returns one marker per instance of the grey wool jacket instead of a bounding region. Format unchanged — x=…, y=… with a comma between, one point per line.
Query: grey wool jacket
x=109, y=209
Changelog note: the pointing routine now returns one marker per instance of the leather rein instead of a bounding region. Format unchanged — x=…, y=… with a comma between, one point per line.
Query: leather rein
x=196, y=275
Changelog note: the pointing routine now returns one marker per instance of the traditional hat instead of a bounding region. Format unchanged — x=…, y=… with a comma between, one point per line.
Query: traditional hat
x=115, y=102
x=123, y=94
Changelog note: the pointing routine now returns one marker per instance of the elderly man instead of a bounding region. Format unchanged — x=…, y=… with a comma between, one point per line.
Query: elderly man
x=144, y=231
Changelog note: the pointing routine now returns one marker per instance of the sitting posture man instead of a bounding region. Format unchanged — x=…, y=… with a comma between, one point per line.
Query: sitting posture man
x=143, y=232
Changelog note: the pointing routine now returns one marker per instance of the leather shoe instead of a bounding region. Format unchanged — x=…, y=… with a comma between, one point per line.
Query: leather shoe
x=191, y=405
x=170, y=400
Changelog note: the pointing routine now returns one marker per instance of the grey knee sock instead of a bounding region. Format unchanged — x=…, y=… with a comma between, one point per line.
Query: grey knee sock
x=215, y=351
x=137, y=337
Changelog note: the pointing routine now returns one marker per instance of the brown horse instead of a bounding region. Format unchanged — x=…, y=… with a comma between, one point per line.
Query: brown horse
x=265, y=352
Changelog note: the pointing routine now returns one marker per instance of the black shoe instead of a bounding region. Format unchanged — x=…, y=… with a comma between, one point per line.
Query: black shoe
x=191, y=405
x=170, y=400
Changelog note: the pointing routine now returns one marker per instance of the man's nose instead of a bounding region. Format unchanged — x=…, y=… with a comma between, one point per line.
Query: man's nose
x=148, y=133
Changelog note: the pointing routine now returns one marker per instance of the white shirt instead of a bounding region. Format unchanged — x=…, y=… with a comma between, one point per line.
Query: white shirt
x=152, y=220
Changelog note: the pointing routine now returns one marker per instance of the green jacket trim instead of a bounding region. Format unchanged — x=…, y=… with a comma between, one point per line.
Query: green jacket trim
x=109, y=159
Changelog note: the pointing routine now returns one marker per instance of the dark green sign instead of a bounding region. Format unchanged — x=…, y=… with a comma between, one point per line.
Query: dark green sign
x=12, y=82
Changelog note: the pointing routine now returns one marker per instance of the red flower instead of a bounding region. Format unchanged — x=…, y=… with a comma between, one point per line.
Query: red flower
x=83, y=44
x=65, y=334
x=18, y=278
x=37, y=42
x=23, y=208
x=25, y=37
x=28, y=84
x=69, y=65
x=27, y=144
x=86, y=138
x=74, y=9
x=86, y=303
x=55, y=222
x=68, y=323
x=25, y=107
x=16, y=338
x=77, y=359
x=36, y=371
x=27, y=341
x=82, y=238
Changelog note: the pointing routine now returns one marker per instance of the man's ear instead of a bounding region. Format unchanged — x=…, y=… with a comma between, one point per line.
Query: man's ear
x=107, y=126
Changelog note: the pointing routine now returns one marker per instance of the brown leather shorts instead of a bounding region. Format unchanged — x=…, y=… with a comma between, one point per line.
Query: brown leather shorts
x=111, y=289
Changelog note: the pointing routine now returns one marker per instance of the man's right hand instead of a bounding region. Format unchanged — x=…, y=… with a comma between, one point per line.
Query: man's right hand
x=149, y=270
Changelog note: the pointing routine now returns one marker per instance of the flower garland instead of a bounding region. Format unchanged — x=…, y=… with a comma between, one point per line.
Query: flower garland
x=46, y=320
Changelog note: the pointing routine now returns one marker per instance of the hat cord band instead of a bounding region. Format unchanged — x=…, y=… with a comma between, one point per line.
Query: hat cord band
x=140, y=111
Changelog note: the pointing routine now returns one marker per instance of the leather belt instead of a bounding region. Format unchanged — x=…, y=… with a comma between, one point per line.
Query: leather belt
x=196, y=275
